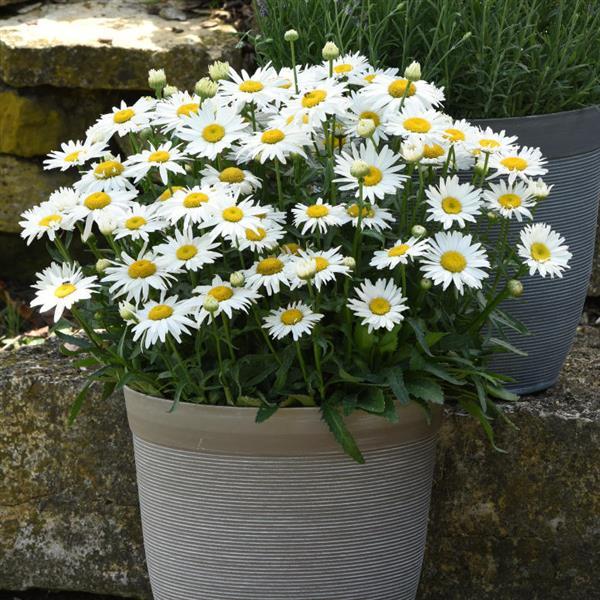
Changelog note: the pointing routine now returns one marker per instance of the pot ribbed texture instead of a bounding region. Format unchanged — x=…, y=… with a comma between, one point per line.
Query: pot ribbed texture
x=223, y=527
x=551, y=309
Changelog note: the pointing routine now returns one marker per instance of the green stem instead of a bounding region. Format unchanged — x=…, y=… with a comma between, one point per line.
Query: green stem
x=228, y=335
x=302, y=365
x=62, y=250
x=293, y=50
x=279, y=188
x=265, y=336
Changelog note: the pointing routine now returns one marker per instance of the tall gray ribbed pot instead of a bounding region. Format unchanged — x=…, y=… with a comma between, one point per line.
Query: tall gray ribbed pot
x=551, y=309
x=234, y=510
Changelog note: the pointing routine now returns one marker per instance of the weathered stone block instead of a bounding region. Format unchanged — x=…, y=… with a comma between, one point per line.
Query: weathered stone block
x=503, y=526
x=23, y=183
x=109, y=45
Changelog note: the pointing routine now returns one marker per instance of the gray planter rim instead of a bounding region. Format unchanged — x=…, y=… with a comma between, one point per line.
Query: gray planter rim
x=289, y=432
x=560, y=134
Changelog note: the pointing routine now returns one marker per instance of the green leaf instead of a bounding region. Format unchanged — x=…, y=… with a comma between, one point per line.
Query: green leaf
x=390, y=413
x=265, y=411
x=419, y=334
x=248, y=401
x=475, y=410
x=395, y=379
x=338, y=428
x=363, y=340
x=426, y=389
x=372, y=401
x=506, y=346
x=388, y=342
x=79, y=400
x=298, y=400
x=503, y=394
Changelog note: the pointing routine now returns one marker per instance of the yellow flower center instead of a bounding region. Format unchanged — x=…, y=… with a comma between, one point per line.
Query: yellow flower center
x=369, y=114
x=168, y=193
x=367, y=211
x=417, y=125
x=233, y=214
x=160, y=312
x=64, y=290
x=514, y=163
x=97, y=200
x=48, y=220
x=122, y=116
x=251, y=87
x=509, y=200
x=453, y=261
x=540, y=252
x=187, y=109
x=221, y=293
x=451, y=205
x=342, y=68
x=321, y=263
x=213, y=133
x=160, y=156
x=316, y=211
x=256, y=236
x=454, y=135
x=232, y=175
x=397, y=89
x=370, y=78
x=291, y=316
x=73, y=156
x=186, y=252
x=433, y=151
x=399, y=250
x=135, y=222
x=291, y=248
x=379, y=306
x=287, y=85
x=485, y=143
x=269, y=266
x=108, y=169
x=141, y=269
x=311, y=99
x=195, y=199
x=373, y=178
x=272, y=136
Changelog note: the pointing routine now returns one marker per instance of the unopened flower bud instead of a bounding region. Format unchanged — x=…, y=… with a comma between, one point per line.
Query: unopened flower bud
x=491, y=215
x=127, y=311
x=359, y=169
x=169, y=90
x=330, y=51
x=348, y=261
x=515, y=288
x=306, y=268
x=211, y=304
x=206, y=88
x=101, y=265
x=219, y=70
x=237, y=279
x=413, y=71
x=291, y=35
x=107, y=224
x=425, y=284
x=418, y=231
x=366, y=128
x=157, y=79
x=539, y=190
x=412, y=151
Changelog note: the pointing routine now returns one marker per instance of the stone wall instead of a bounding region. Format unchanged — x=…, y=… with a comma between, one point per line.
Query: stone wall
x=521, y=525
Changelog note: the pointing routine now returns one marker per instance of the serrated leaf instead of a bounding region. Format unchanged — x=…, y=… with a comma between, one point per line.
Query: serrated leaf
x=363, y=340
x=264, y=412
x=426, y=389
x=372, y=401
x=419, y=334
x=395, y=379
x=337, y=426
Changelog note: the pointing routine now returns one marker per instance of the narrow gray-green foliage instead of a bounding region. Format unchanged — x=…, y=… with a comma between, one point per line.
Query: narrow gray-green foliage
x=495, y=58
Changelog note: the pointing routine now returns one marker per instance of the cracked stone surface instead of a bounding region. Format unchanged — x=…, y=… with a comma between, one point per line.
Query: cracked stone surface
x=503, y=526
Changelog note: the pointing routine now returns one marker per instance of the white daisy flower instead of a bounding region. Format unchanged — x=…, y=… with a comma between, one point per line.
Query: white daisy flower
x=328, y=265
x=379, y=304
x=427, y=126
x=126, y=119
x=96, y=134
x=296, y=318
x=399, y=92
x=268, y=273
x=137, y=222
x=233, y=178
x=544, y=250
x=261, y=88
x=231, y=217
x=265, y=237
x=383, y=177
x=171, y=111
x=453, y=258
x=73, y=154
x=510, y=200
x=64, y=198
x=319, y=215
x=156, y=320
x=211, y=130
x=348, y=65
x=191, y=205
x=399, y=253
x=273, y=144
x=460, y=132
x=59, y=287
x=320, y=100
x=362, y=107
x=373, y=217
x=229, y=298
x=136, y=277
x=371, y=75
x=455, y=154
x=45, y=219
x=164, y=157
x=489, y=141
x=183, y=250
x=169, y=191
x=105, y=176
x=452, y=202
x=523, y=163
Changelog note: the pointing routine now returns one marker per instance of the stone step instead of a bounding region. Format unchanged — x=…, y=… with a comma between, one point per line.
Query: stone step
x=503, y=526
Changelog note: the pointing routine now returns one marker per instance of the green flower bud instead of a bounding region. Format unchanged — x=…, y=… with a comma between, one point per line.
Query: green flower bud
x=330, y=51
x=515, y=288
x=219, y=70
x=291, y=35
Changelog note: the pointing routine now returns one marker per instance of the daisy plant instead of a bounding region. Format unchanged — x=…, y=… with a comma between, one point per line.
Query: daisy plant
x=320, y=236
